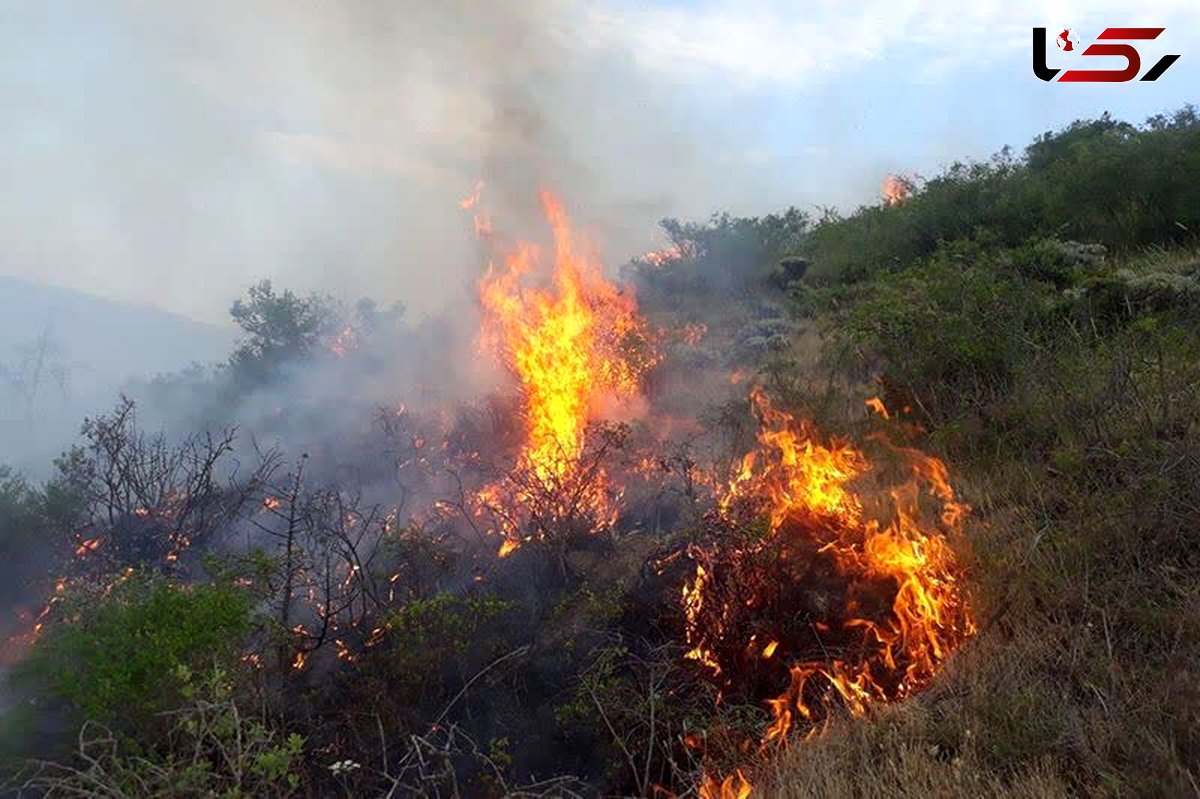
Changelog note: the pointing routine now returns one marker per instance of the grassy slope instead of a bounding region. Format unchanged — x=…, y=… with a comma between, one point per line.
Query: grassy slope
x=1063, y=385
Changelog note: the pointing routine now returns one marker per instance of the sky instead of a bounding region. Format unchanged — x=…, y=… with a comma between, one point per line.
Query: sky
x=171, y=154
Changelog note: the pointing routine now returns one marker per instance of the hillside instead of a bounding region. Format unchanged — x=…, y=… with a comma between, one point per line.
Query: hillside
x=64, y=354
x=904, y=502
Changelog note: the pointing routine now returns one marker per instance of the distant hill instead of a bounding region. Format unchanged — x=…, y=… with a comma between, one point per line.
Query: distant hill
x=65, y=353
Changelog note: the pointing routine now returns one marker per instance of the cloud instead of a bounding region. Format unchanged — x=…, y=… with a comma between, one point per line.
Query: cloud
x=777, y=44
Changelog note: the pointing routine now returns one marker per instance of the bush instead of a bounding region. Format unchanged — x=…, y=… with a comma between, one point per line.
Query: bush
x=25, y=531
x=1095, y=180
x=212, y=748
x=944, y=334
x=120, y=658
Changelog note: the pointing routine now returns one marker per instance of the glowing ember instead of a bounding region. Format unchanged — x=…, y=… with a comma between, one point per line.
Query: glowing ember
x=693, y=333
x=573, y=345
x=856, y=609
x=88, y=545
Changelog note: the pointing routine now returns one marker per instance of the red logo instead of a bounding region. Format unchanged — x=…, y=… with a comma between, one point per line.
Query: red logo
x=1108, y=43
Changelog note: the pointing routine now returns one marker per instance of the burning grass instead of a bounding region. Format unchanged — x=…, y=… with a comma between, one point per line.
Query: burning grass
x=802, y=598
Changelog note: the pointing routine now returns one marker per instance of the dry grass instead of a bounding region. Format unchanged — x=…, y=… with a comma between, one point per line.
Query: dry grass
x=1085, y=539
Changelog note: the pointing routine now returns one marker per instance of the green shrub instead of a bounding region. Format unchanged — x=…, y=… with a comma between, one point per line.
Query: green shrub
x=427, y=634
x=1097, y=180
x=212, y=747
x=119, y=658
x=946, y=333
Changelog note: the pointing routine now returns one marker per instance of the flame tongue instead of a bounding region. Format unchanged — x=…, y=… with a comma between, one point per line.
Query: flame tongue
x=570, y=344
x=856, y=610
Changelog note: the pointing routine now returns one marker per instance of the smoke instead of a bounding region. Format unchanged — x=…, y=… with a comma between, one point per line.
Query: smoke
x=173, y=154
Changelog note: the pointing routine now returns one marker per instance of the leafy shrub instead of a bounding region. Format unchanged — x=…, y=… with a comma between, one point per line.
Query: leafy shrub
x=212, y=748
x=119, y=658
x=945, y=333
x=26, y=523
x=1097, y=180
x=426, y=635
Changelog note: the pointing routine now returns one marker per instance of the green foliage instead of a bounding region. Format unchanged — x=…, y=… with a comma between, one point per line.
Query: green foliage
x=946, y=332
x=445, y=622
x=21, y=515
x=31, y=524
x=118, y=658
x=212, y=748
x=427, y=634
x=724, y=252
x=1096, y=180
x=279, y=327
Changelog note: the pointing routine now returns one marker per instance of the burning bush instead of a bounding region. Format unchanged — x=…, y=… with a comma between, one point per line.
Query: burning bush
x=573, y=347
x=383, y=625
x=798, y=589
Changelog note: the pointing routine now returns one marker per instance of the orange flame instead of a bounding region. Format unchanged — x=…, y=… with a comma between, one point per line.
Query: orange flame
x=735, y=786
x=570, y=344
x=482, y=220
x=693, y=333
x=343, y=342
x=875, y=405
x=803, y=489
x=895, y=189
x=660, y=257
x=89, y=545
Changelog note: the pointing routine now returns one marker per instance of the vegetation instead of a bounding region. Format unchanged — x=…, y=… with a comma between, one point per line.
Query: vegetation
x=279, y=328
x=1100, y=181
x=1063, y=382
x=1031, y=319
x=120, y=659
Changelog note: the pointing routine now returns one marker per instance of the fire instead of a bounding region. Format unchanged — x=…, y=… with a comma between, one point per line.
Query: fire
x=573, y=344
x=801, y=473
x=735, y=786
x=343, y=342
x=483, y=221
x=896, y=189
x=89, y=545
x=857, y=606
x=660, y=257
x=876, y=406
x=471, y=200
x=693, y=333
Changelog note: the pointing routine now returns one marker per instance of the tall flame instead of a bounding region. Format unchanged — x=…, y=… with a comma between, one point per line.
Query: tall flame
x=571, y=344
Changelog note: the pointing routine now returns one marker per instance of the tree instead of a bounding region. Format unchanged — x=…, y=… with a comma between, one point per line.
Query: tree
x=280, y=327
x=25, y=534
